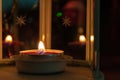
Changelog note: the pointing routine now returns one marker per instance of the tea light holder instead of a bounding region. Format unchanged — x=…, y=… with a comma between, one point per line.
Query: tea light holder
x=41, y=61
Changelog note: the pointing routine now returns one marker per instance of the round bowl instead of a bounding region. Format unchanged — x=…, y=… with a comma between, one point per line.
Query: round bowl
x=40, y=64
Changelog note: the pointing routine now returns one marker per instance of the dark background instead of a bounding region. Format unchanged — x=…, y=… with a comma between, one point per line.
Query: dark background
x=110, y=39
x=110, y=25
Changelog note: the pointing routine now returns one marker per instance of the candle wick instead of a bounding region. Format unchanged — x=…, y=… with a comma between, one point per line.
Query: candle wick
x=41, y=52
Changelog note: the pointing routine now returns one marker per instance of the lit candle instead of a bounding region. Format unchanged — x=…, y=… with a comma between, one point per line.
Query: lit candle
x=9, y=44
x=42, y=51
x=8, y=39
x=41, y=48
x=92, y=38
x=82, y=39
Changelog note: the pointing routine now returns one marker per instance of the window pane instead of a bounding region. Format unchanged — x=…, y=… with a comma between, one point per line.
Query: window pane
x=68, y=23
x=20, y=19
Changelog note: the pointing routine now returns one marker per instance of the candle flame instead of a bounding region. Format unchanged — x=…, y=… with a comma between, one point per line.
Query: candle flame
x=8, y=39
x=41, y=46
x=92, y=38
x=82, y=39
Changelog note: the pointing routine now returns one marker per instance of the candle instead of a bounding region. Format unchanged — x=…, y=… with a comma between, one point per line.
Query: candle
x=38, y=60
x=8, y=45
x=8, y=39
x=92, y=38
x=82, y=39
x=42, y=51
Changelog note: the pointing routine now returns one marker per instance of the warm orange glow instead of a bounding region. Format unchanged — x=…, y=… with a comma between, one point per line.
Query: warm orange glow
x=41, y=46
x=92, y=38
x=43, y=37
x=8, y=39
x=82, y=39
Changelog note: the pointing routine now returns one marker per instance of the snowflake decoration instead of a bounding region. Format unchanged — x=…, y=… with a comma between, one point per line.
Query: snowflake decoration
x=20, y=20
x=66, y=21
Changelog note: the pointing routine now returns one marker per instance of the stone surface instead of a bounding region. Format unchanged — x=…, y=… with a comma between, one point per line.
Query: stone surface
x=71, y=73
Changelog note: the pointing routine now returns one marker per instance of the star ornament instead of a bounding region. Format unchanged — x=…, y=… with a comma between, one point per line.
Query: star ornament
x=66, y=21
x=20, y=20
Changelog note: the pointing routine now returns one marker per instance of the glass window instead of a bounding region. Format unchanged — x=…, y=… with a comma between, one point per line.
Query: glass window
x=69, y=27
x=20, y=19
